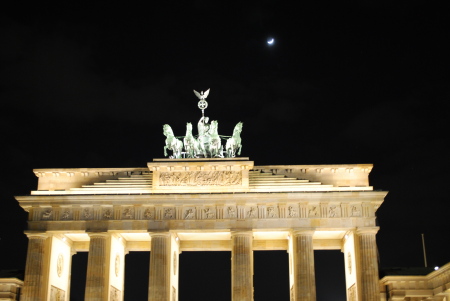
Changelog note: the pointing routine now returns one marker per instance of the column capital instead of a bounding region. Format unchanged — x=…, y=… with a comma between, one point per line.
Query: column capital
x=98, y=234
x=367, y=230
x=241, y=233
x=160, y=234
x=303, y=231
x=41, y=235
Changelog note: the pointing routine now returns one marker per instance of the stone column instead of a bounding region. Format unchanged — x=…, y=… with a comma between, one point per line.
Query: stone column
x=368, y=264
x=159, y=282
x=304, y=288
x=34, y=285
x=242, y=266
x=98, y=268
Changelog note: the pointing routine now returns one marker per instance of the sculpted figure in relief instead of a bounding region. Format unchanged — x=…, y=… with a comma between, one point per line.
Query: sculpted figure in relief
x=271, y=212
x=86, y=213
x=107, y=214
x=148, y=214
x=128, y=213
x=189, y=214
x=209, y=213
x=231, y=212
x=47, y=214
x=355, y=211
x=251, y=212
x=313, y=211
x=168, y=213
x=332, y=211
x=65, y=215
x=292, y=211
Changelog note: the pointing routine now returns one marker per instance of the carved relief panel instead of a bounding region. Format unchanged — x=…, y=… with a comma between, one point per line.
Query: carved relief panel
x=314, y=211
x=128, y=213
x=57, y=294
x=115, y=294
x=200, y=178
x=65, y=214
x=149, y=213
x=351, y=293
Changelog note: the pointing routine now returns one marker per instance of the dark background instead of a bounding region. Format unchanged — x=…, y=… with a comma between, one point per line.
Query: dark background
x=90, y=85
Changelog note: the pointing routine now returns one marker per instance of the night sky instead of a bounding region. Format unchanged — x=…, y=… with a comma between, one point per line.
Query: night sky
x=90, y=85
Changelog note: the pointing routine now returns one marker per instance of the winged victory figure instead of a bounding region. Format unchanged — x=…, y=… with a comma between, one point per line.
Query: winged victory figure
x=202, y=95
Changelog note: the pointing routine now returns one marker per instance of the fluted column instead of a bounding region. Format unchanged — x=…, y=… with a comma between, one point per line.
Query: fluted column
x=368, y=264
x=159, y=282
x=242, y=266
x=304, y=288
x=33, y=288
x=98, y=268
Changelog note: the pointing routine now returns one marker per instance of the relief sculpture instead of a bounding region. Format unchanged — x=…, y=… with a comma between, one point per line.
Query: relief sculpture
x=47, y=214
x=200, y=178
x=189, y=214
x=57, y=294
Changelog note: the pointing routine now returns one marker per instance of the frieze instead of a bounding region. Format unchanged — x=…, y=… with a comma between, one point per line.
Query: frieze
x=200, y=178
x=183, y=212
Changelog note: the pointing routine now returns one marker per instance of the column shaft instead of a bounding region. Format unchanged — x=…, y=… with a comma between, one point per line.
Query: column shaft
x=97, y=269
x=370, y=290
x=159, y=282
x=242, y=266
x=304, y=273
x=33, y=289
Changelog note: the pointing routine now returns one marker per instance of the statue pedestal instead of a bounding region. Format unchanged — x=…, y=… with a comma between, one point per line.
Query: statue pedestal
x=200, y=175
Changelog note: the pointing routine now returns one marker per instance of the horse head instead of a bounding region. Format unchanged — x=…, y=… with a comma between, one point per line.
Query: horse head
x=238, y=127
x=167, y=130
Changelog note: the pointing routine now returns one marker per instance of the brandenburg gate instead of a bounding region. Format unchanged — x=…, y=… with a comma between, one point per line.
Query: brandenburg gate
x=209, y=204
x=206, y=202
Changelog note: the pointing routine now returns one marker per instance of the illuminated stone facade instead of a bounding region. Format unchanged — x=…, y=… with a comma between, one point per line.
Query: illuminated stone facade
x=199, y=205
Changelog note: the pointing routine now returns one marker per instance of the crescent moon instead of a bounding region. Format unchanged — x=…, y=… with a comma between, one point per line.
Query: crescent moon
x=270, y=42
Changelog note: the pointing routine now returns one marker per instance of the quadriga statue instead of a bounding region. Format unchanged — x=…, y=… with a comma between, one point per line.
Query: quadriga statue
x=191, y=145
x=172, y=143
x=234, y=143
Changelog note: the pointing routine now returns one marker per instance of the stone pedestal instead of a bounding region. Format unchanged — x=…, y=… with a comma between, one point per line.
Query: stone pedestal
x=242, y=266
x=98, y=268
x=368, y=264
x=302, y=254
x=33, y=289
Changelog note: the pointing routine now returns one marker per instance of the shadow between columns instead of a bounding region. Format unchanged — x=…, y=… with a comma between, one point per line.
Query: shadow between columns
x=205, y=276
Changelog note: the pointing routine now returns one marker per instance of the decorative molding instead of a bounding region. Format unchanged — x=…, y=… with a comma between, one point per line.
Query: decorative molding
x=200, y=178
x=60, y=265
